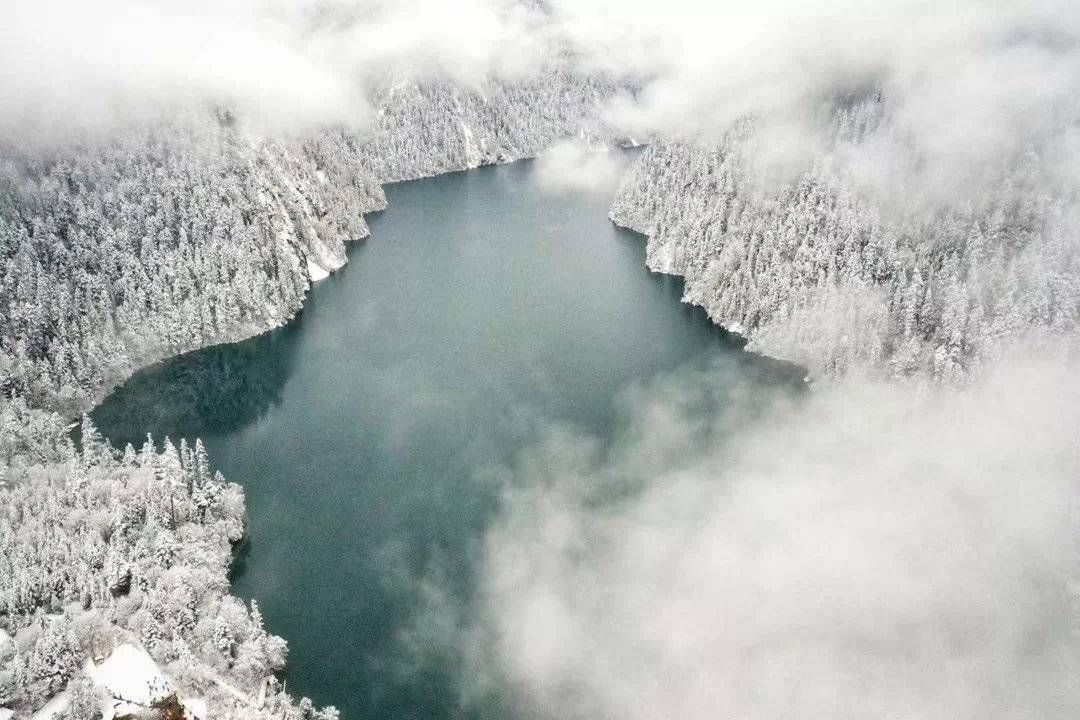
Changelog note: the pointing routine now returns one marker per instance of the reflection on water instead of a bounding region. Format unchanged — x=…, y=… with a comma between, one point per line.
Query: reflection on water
x=374, y=434
x=213, y=391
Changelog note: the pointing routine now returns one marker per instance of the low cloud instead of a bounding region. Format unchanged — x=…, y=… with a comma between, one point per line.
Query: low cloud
x=70, y=65
x=572, y=166
x=873, y=551
x=966, y=82
x=283, y=66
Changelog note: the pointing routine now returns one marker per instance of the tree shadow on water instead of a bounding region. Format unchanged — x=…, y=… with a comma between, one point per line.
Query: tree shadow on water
x=764, y=369
x=241, y=553
x=213, y=391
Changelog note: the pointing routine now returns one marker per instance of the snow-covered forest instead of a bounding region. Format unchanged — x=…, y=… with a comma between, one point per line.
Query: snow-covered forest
x=99, y=548
x=814, y=271
x=182, y=235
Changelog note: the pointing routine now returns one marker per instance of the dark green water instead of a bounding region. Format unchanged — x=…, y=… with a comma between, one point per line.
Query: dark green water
x=368, y=433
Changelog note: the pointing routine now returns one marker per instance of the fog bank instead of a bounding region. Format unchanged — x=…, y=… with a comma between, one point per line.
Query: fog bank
x=873, y=551
x=963, y=79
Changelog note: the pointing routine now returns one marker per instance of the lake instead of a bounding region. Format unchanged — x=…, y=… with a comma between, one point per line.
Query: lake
x=372, y=434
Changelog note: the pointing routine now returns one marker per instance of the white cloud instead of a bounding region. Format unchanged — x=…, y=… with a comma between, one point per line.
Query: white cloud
x=873, y=553
x=572, y=166
x=283, y=65
x=967, y=82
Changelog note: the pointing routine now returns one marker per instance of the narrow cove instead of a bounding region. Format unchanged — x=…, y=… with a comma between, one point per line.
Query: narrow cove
x=374, y=433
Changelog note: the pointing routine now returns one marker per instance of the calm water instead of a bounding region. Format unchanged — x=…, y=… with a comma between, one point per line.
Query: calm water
x=367, y=432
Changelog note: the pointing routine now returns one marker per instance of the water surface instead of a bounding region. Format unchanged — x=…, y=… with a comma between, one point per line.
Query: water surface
x=369, y=433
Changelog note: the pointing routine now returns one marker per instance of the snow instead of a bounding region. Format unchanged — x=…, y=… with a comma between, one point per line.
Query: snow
x=316, y=272
x=7, y=648
x=54, y=707
x=131, y=676
x=472, y=151
x=194, y=708
x=6, y=713
x=128, y=683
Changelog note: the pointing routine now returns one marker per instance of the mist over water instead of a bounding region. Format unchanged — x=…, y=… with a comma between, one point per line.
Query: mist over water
x=489, y=329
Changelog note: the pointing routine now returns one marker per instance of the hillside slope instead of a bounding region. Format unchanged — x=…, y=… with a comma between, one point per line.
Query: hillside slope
x=815, y=272
x=166, y=239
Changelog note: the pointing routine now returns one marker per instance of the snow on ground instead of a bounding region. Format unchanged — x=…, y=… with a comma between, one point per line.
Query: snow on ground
x=7, y=648
x=316, y=272
x=194, y=708
x=54, y=707
x=129, y=683
x=130, y=680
